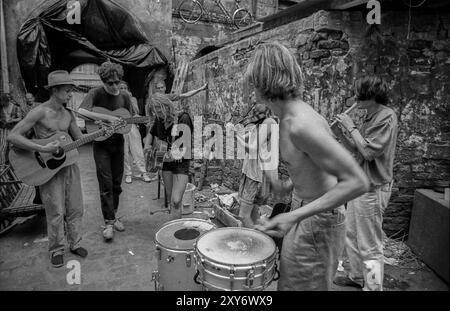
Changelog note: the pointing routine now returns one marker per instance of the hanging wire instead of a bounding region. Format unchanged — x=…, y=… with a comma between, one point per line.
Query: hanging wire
x=410, y=6
x=414, y=6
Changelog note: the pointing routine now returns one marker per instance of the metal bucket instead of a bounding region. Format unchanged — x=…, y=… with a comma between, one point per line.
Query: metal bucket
x=188, y=200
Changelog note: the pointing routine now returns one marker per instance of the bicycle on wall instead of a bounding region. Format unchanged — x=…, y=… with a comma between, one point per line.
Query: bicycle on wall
x=192, y=10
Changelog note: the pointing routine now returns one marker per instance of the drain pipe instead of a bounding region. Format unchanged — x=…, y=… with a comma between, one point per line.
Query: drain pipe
x=4, y=58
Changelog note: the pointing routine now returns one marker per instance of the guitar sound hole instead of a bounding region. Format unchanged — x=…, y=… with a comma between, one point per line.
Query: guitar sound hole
x=55, y=163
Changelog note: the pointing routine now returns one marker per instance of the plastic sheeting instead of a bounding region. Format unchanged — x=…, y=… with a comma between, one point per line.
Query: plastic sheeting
x=48, y=42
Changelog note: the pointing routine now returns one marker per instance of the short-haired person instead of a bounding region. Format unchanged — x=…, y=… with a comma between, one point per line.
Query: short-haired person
x=61, y=195
x=109, y=153
x=175, y=172
x=323, y=175
x=374, y=142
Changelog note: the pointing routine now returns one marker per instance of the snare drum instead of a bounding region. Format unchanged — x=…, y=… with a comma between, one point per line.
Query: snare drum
x=235, y=259
x=175, y=243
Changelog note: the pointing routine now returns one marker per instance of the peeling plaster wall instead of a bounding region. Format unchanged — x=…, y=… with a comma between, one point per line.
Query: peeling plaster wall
x=333, y=48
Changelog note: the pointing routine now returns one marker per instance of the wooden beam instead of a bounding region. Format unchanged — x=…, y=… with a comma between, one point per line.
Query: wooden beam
x=3, y=51
x=346, y=4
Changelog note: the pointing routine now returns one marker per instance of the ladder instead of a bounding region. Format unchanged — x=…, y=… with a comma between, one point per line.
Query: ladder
x=180, y=76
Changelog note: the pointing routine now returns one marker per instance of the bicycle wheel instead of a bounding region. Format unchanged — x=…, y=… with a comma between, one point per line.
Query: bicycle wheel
x=190, y=11
x=242, y=18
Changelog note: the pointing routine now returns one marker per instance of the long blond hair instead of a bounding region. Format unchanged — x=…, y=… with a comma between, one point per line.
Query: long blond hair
x=275, y=72
x=164, y=103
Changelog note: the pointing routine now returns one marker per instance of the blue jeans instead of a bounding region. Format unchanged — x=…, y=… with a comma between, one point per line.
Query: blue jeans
x=309, y=257
x=109, y=157
x=364, y=238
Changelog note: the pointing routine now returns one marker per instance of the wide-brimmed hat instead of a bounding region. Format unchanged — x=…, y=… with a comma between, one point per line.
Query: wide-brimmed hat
x=59, y=77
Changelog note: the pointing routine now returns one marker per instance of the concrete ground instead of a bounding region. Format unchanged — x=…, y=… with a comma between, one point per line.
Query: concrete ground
x=126, y=263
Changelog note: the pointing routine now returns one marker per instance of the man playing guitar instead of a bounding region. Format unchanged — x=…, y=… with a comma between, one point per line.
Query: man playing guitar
x=109, y=153
x=175, y=172
x=61, y=195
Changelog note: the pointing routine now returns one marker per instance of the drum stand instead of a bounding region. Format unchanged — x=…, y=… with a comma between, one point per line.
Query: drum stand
x=167, y=208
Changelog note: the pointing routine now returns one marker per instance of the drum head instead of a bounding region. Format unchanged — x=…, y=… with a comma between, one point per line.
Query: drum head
x=235, y=245
x=181, y=234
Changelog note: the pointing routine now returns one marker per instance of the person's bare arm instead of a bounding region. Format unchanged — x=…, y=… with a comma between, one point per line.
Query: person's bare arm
x=331, y=157
x=193, y=92
x=98, y=116
x=17, y=135
x=148, y=140
x=74, y=129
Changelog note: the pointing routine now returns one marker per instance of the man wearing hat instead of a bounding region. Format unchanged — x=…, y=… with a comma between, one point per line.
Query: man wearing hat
x=61, y=195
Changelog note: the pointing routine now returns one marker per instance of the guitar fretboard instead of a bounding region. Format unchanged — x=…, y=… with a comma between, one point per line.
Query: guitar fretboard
x=84, y=140
x=137, y=119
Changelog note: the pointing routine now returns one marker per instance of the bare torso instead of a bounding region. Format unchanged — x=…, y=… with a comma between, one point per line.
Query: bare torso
x=54, y=119
x=310, y=182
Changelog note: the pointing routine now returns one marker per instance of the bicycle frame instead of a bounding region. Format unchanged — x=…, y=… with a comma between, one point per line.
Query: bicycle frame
x=224, y=9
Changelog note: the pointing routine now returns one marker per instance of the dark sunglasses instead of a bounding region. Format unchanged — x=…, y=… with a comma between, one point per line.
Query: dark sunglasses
x=111, y=83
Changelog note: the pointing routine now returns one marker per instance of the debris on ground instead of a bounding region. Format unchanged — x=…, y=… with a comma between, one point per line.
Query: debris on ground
x=393, y=283
x=42, y=240
x=214, y=187
x=397, y=253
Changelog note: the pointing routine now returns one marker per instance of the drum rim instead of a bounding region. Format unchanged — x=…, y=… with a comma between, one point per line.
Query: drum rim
x=157, y=243
x=209, y=259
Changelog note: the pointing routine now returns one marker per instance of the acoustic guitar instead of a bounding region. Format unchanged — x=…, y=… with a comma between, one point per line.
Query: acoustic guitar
x=122, y=113
x=155, y=159
x=35, y=168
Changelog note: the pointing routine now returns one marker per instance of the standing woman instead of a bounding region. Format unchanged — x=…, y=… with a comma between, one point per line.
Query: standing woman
x=175, y=172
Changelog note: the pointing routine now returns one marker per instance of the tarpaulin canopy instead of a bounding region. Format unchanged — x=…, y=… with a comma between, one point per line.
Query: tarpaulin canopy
x=106, y=30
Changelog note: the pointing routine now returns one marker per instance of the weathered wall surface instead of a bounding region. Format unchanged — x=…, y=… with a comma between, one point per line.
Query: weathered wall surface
x=189, y=39
x=333, y=48
x=155, y=18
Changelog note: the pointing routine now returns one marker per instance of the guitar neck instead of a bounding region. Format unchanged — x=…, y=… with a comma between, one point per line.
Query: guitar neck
x=134, y=120
x=86, y=139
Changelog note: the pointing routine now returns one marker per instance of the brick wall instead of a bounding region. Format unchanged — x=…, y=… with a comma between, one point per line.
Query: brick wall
x=333, y=48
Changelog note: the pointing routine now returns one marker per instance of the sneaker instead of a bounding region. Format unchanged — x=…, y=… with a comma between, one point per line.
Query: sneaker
x=346, y=281
x=108, y=233
x=80, y=251
x=128, y=179
x=146, y=178
x=57, y=260
x=118, y=225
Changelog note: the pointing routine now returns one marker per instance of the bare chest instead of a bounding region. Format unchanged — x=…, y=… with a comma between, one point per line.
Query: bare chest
x=52, y=122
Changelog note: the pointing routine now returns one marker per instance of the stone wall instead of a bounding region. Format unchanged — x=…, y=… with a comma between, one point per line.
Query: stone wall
x=333, y=48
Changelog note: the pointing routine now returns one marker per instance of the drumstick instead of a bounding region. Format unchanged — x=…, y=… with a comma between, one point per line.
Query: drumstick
x=345, y=112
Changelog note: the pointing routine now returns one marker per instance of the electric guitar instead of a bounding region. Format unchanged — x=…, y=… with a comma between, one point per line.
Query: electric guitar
x=122, y=113
x=36, y=168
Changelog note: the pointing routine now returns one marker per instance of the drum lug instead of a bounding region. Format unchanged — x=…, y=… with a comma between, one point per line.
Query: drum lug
x=170, y=258
x=158, y=253
x=231, y=277
x=188, y=260
x=250, y=277
x=155, y=279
